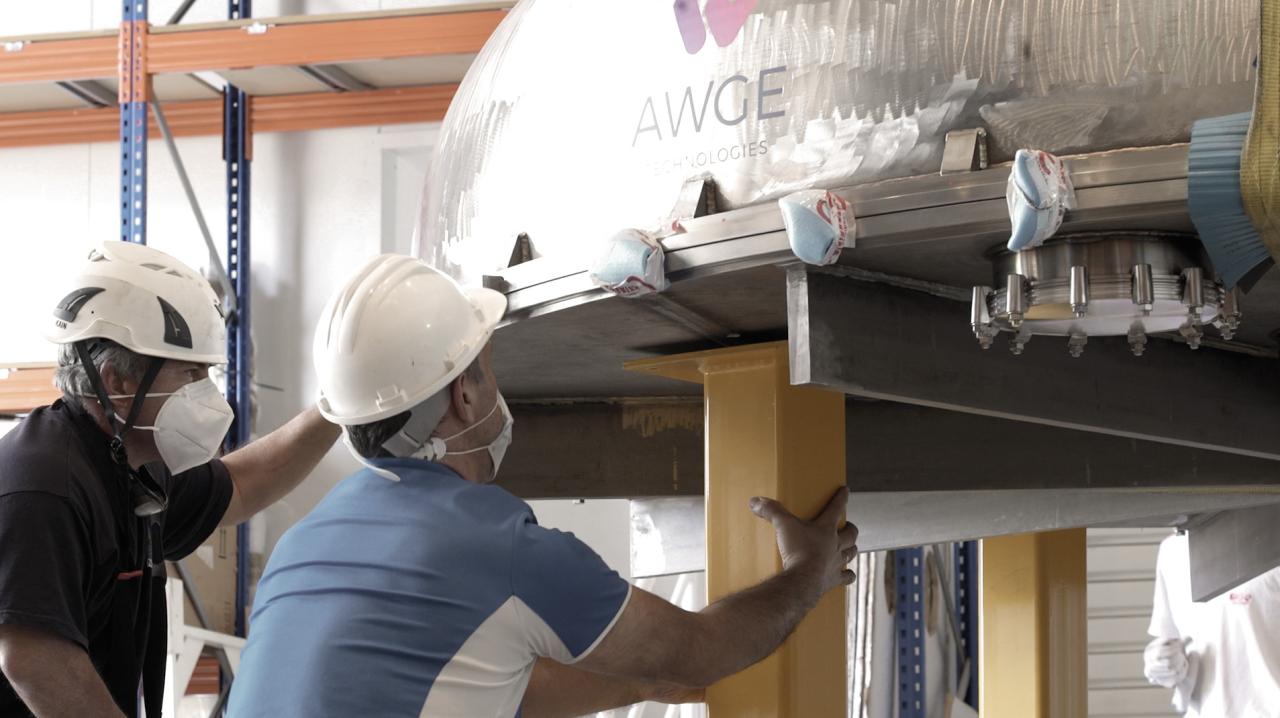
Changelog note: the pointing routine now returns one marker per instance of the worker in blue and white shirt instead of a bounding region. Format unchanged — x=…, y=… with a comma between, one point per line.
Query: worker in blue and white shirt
x=417, y=588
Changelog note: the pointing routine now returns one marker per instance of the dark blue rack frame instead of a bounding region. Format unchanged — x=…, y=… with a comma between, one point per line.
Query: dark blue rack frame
x=909, y=627
x=133, y=135
x=966, y=558
x=235, y=151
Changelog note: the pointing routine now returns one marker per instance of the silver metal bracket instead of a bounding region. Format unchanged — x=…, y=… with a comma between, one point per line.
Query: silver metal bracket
x=964, y=151
x=522, y=251
x=697, y=199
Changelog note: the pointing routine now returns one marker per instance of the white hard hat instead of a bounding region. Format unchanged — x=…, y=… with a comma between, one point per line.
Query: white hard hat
x=396, y=334
x=144, y=300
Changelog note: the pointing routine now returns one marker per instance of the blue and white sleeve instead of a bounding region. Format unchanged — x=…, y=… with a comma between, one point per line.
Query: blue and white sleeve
x=567, y=598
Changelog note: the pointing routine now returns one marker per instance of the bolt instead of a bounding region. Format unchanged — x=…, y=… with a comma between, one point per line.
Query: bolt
x=1019, y=342
x=1075, y=345
x=1192, y=330
x=1137, y=339
x=1229, y=314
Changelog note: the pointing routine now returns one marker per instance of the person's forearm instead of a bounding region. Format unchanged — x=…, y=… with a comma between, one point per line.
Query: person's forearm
x=559, y=691
x=744, y=628
x=267, y=469
x=54, y=677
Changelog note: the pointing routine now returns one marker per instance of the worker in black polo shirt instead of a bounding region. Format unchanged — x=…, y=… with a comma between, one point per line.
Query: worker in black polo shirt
x=97, y=490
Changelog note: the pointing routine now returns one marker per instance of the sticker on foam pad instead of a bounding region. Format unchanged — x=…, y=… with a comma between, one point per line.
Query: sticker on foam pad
x=632, y=265
x=819, y=225
x=1039, y=193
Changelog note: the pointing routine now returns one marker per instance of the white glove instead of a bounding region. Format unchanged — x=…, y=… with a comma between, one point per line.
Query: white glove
x=1186, y=687
x=1165, y=662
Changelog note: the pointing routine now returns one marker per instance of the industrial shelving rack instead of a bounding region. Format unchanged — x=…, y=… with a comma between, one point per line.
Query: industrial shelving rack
x=280, y=74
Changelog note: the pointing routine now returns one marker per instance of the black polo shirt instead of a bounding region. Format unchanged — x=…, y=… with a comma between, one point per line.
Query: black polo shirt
x=72, y=552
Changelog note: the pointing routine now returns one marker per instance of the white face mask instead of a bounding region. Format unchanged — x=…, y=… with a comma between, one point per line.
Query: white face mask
x=496, y=448
x=435, y=448
x=190, y=425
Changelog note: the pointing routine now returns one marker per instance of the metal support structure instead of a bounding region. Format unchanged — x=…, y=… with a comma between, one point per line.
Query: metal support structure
x=667, y=533
x=966, y=608
x=229, y=299
x=1231, y=548
x=1033, y=651
x=94, y=94
x=884, y=343
x=134, y=91
x=180, y=12
x=656, y=449
x=235, y=151
x=909, y=631
x=767, y=438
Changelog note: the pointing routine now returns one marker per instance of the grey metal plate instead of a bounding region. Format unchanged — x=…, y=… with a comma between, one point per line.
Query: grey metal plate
x=666, y=538
x=580, y=351
x=413, y=71
x=906, y=346
x=1232, y=547
x=34, y=98
x=655, y=447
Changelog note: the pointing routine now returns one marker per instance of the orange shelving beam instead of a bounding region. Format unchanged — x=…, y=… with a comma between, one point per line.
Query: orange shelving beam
x=278, y=113
x=39, y=60
x=261, y=44
x=322, y=43
x=22, y=390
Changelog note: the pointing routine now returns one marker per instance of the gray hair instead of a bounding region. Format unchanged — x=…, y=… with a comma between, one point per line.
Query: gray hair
x=367, y=439
x=73, y=381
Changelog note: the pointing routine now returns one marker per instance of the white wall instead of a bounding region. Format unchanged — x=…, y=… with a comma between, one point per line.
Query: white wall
x=1122, y=570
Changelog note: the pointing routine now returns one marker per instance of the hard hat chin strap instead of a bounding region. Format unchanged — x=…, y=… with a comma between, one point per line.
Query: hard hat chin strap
x=150, y=497
x=414, y=439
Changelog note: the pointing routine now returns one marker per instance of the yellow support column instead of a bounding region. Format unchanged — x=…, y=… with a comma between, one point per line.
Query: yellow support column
x=765, y=437
x=1033, y=651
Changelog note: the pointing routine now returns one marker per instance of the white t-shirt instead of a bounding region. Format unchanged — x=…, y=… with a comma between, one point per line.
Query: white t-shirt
x=1236, y=635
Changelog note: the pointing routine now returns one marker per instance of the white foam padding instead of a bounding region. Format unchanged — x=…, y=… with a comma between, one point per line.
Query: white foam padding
x=1039, y=193
x=631, y=265
x=819, y=225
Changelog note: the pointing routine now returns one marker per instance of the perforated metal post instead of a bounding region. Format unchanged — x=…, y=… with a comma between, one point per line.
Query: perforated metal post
x=134, y=85
x=235, y=151
x=909, y=623
x=967, y=611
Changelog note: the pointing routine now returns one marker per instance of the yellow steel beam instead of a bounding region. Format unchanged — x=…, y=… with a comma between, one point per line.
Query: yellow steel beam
x=1032, y=654
x=765, y=437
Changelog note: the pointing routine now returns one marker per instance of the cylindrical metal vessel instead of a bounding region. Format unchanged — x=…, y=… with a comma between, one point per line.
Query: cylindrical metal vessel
x=583, y=117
